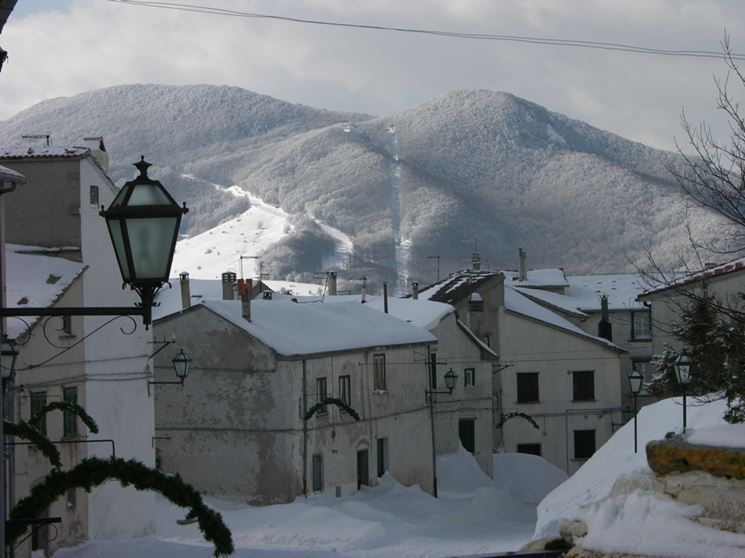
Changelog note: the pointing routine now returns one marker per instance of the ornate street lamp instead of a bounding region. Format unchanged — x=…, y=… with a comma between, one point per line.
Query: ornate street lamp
x=636, y=379
x=450, y=378
x=683, y=374
x=8, y=359
x=143, y=222
x=181, y=366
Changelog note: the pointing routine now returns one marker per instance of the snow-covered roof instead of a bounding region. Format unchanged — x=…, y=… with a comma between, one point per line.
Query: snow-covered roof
x=537, y=278
x=426, y=314
x=584, y=291
x=710, y=273
x=35, y=280
x=517, y=303
x=306, y=328
x=44, y=152
x=10, y=175
x=457, y=286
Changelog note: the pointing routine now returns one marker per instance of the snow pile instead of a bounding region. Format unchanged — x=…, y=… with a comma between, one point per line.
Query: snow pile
x=639, y=522
x=474, y=515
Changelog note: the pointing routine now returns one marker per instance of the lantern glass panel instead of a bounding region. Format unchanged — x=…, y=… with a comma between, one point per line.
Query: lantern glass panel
x=148, y=194
x=150, y=241
x=117, y=239
x=450, y=379
x=181, y=364
x=636, y=379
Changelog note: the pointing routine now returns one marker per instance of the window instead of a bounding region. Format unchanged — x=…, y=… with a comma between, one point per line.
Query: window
x=469, y=377
x=70, y=419
x=379, y=372
x=532, y=449
x=345, y=392
x=641, y=325
x=94, y=196
x=38, y=400
x=584, y=444
x=66, y=325
x=317, y=473
x=382, y=447
x=321, y=394
x=71, y=498
x=527, y=387
x=475, y=303
x=433, y=370
x=584, y=385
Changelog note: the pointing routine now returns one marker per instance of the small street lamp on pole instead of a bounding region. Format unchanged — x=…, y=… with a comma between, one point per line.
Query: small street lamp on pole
x=635, y=383
x=683, y=374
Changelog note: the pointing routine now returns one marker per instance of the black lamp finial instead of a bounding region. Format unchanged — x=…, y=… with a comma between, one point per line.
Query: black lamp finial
x=142, y=166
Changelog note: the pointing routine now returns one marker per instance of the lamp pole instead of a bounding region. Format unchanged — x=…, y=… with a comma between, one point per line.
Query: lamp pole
x=450, y=379
x=635, y=382
x=683, y=374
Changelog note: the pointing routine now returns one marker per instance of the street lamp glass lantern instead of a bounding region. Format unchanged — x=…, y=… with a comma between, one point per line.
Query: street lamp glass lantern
x=9, y=354
x=636, y=379
x=683, y=369
x=143, y=222
x=181, y=364
x=450, y=378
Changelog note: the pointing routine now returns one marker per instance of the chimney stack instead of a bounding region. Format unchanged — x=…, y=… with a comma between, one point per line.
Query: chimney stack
x=98, y=150
x=476, y=261
x=415, y=290
x=185, y=290
x=331, y=275
x=605, y=329
x=385, y=297
x=522, y=265
x=364, y=290
x=228, y=285
x=244, y=291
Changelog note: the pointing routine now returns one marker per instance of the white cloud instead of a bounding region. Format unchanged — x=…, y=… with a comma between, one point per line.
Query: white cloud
x=97, y=43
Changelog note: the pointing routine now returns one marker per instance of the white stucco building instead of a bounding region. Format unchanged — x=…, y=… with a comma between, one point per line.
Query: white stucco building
x=100, y=362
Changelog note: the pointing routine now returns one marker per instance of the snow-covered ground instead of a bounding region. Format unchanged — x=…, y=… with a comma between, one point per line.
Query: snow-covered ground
x=473, y=515
x=642, y=522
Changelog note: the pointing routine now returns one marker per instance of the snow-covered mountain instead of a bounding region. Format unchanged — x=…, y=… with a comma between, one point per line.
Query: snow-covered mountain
x=429, y=181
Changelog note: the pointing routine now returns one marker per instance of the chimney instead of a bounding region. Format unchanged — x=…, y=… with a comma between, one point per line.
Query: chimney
x=415, y=290
x=476, y=261
x=98, y=150
x=385, y=297
x=364, y=290
x=244, y=291
x=605, y=329
x=331, y=276
x=522, y=265
x=228, y=285
x=185, y=291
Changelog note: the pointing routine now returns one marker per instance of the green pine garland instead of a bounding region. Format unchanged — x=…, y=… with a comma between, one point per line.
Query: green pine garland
x=92, y=472
x=514, y=414
x=331, y=401
x=25, y=431
x=70, y=408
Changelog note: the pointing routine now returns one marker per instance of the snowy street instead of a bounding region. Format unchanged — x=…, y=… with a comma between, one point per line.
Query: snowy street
x=473, y=515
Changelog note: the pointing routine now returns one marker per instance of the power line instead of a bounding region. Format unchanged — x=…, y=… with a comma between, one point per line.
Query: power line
x=600, y=45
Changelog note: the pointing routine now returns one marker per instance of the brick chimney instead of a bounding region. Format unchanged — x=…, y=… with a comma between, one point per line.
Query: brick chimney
x=522, y=265
x=228, y=285
x=244, y=291
x=605, y=329
x=183, y=279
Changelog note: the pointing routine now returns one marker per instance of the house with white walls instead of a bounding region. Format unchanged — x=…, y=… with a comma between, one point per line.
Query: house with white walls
x=99, y=361
x=238, y=427
x=557, y=388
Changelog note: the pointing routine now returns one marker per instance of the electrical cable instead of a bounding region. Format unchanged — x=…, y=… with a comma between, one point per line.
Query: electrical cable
x=619, y=47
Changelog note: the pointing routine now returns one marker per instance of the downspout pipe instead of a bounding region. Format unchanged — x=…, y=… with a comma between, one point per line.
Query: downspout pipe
x=305, y=429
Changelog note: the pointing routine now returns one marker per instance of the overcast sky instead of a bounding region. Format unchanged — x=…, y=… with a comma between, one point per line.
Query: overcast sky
x=64, y=47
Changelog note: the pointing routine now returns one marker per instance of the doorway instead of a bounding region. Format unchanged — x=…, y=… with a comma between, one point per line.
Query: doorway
x=363, y=468
x=467, y=434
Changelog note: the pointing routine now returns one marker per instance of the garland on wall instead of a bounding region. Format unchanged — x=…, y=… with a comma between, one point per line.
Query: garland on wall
x=27, y=432
x=92, y=472
x=331, y=401
x=519, y=414
x=73, y=408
